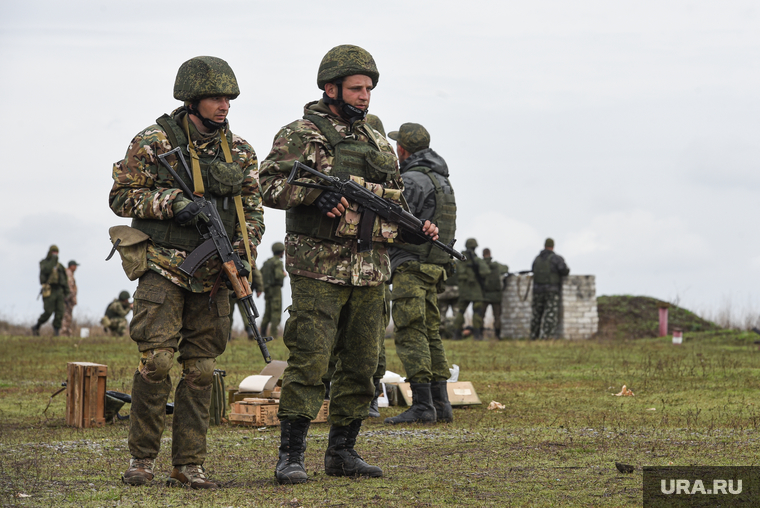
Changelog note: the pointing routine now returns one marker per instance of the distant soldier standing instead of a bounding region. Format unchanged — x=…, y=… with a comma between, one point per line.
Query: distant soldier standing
x=115, y=318
x=273, y=275
x=338, y=290
x=548, y=270
x=419, y=274
x=71, y=299
x=471, y=274
x=55, y=289
x=173, y=311
x=257, y=286
x=492, y=289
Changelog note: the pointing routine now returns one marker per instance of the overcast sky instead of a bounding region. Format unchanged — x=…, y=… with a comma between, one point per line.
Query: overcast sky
x=628, y=132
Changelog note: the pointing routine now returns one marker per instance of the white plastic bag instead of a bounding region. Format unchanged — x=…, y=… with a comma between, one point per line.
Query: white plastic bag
x=454, y=373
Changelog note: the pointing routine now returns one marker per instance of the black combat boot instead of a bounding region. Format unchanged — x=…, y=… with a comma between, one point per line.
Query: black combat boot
x=422, y=409
x=341, y=459
x=56, y=332
x=440, y=395
x=477, y=334
x=36, y=330
x=290, y=467
x=497, y=332
x=374, y=410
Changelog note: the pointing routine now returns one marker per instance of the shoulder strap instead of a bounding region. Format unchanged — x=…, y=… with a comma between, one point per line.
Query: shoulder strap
x=327, y=128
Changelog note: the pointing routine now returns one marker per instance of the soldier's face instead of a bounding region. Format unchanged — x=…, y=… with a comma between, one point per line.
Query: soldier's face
x=214, y=108
x=356, y=91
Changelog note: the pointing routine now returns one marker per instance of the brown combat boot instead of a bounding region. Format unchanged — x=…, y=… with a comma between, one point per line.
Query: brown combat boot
x=140, y=471
x=190, y=475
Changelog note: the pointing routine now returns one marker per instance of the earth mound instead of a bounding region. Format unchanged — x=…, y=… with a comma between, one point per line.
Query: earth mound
x=637, y=317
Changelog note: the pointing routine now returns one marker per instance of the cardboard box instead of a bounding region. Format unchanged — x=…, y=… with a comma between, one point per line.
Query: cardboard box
x=86, y=394
x=258, y=412
x=461, y=393
x=270, y=390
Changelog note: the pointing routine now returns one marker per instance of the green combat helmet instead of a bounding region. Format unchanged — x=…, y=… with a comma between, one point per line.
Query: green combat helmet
x=205, y=76
x=346, y=60
x=124, y=295
x=471, y=243
x=278, y=247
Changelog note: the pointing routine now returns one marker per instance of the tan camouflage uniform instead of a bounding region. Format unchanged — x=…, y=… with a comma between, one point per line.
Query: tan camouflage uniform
x=171, y=309
x=70, y=301
x=115, y=319
x=338, y=294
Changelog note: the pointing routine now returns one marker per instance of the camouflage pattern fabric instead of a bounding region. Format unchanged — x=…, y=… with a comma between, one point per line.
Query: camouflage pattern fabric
x=116, y=315
x=416, y=319
x=413, y=137
x=477, y=314
x=70, y=302
x=468, y=274
x=169, y=317
x=493, y=281
x=325, y=260
x=328, y=319
x=205, y=76
x=55, y=303
x=545, y=315
x=346, y=60
x=272, y=310
x=143, y=188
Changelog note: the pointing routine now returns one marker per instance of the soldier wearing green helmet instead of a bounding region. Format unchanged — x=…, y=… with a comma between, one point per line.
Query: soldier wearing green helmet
x=273, y=275
x=471, y=276
x=338, y=290
x=55, y=290
x=115, y=319
x=174, y=312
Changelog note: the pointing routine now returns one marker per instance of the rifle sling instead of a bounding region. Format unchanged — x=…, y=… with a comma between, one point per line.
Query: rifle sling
x=366, y=224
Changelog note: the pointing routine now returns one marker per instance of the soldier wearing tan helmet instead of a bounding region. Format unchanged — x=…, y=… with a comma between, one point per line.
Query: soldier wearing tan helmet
x=338, y=290
x=173, y=312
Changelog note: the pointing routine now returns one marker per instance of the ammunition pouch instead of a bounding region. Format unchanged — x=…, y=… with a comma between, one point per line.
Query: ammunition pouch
x=47, y=290
x=132, y=245
x=225, y=178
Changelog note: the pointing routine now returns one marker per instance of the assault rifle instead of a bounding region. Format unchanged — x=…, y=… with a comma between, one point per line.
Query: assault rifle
x=216, y=241
x=371, y=205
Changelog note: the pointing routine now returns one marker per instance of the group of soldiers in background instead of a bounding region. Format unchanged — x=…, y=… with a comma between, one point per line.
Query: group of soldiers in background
x=481, y=282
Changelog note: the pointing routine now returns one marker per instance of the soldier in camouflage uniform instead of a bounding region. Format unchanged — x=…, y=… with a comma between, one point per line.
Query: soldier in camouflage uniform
x=338, y=291
x=548, y=270
x=115, y=319
x=470, y=276
x=55, y=289
x=419, y=274
x=174, y=312
x=71, y=299
x=273, y=274
x=492, y=287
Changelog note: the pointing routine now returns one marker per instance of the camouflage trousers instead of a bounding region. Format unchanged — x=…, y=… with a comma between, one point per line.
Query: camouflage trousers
x=272, y=310
x=477, y=314
x=417, y=320
x=327, y=319
x=53, y=304
x=68, y=318
x=482, y=307
x=444, y=304
x=169, y=317
x=546, y=313
x=117, y=325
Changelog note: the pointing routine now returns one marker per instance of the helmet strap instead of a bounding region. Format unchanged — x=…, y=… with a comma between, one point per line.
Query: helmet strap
x=347, y=111
x=192, y=108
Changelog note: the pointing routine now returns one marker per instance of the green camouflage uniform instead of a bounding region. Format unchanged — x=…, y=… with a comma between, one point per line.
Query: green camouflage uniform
x=116, y=317
x=55, y=289
x=469, y=275
x=546, y=294
x=338, y=293
x=492, y=292
x=171, y=309
x=273, y=273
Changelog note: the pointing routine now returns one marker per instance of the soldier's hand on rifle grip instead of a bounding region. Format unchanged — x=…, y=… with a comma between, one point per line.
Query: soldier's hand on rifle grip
x=430, y=229
x=331, y=203
x=187, y=212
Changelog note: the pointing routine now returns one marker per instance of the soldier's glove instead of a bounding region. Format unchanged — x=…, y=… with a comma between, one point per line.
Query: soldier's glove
x=186, y=212
x=246, y=268
x=327, y=201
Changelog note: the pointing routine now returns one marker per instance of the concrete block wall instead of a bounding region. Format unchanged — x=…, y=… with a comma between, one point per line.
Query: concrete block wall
x=578, y=314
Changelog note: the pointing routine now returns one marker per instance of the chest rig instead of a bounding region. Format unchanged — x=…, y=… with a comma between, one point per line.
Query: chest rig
x=351, y=157
x=218, y=181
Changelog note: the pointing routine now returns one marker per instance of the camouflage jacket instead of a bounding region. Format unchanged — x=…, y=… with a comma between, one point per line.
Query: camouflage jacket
x=116, y=310
x=72, y=296
x=325, y=260
x=471, y=275
x=53, y=273
x=141, y=191
x=273, y=273
x=558, y=269
x=492, y=282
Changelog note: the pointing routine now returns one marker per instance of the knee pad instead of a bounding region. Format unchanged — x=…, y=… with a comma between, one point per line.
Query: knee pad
x=155, y=364
x=198, y=373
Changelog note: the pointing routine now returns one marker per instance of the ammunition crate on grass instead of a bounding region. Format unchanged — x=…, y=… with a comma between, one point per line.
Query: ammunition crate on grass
x=86, y=394
x=257, y=412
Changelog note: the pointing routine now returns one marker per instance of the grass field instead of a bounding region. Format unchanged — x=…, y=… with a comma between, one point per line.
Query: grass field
x=555, y=443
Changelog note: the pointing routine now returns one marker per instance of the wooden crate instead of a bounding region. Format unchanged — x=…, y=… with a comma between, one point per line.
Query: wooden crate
x=86, y=394
x=258, y=412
